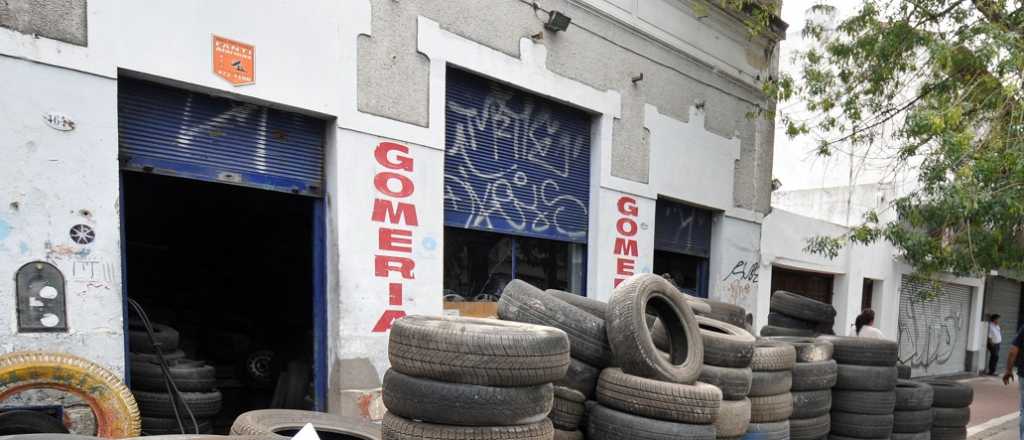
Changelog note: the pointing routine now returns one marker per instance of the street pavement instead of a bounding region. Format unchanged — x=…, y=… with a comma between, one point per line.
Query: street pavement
x=994, y=413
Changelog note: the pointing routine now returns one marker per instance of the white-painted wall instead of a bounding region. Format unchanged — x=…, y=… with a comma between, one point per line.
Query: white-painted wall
x=735, y=272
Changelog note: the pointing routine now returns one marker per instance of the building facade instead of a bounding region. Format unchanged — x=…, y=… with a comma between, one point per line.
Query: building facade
x=322, y=170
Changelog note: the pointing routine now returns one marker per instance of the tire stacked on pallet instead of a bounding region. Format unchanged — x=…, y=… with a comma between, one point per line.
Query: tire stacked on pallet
x=864, y=396
x=794, y=315
x=654, y=395
x=912, y=419
x=469, y=378
x=771, y=403
x=951, y=409
x=814, y=375
x=728, y=352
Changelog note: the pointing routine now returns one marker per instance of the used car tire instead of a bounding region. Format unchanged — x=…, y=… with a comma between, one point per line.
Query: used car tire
x=188, y=375
x=781, y=320
x=948, y=394
x=774, y=331
x=809, y=376
x=169, y=426
x=608, y=424
x=152, y=357
x=286, y=422
x=911, y=395
x=832, y=436
x=943, y=433
x=587, y=333
x=725, y=345
x=568, y=435
x=726, y=312
x=863, y=351
x=903, y=371
x=807, y=349
x=596, y=308
x=772, y=356
x=697, y=404
x=810, y=429
x=769, y=431
x=950, y=417
x=18, y=422
x=735, y=383
x=802, y=307
x=864, y=402
x=202, y=404
x=568, y=409
x=733, y=418
x=861, y=425
x=926, y=435
x=910, y=422
x=770, y=383
x=478, y=351
x=631, y=341
x=451, y=403
x=865, y=378
x=138, y=339
x=580, y=377
x=399, y=428
x=771, y=408
x=810, y=404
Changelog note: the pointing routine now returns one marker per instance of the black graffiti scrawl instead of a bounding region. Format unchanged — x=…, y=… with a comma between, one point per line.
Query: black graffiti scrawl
x=933, y=328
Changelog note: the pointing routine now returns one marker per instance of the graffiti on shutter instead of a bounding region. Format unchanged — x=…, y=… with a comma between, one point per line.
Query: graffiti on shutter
x=933, y=331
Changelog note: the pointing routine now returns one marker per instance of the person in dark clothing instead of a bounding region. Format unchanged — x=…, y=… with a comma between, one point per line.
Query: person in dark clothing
x=1013, y=359
x=995, y=338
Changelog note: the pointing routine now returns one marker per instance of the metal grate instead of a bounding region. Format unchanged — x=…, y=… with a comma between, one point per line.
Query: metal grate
x=933, y=332
x=1002, y=296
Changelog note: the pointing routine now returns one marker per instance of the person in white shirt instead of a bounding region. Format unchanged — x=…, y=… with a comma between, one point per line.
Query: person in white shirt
x=995, y=337
x=864, y=326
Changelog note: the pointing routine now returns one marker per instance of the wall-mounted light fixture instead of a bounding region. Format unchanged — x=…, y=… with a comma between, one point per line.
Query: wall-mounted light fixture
x=557, y=22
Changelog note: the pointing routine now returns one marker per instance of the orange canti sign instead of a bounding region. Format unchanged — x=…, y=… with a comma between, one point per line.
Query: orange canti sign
x=234, y=61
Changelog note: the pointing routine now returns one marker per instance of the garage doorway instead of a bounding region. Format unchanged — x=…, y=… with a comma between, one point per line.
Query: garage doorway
x=817, y=286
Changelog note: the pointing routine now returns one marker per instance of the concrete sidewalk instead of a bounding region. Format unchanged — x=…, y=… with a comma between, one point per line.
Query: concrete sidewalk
x=994, y=413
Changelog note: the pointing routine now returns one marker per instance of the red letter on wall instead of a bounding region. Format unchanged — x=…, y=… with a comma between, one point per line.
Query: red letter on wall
x=388, y=211
x=397, y=240
x=400, y=162
x=626, y=247
x=385, y=263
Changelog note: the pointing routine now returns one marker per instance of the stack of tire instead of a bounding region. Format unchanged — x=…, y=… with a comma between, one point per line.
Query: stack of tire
x=790, y=314
x=471, y=378
x=814, y=375
x=728, y=352
x=864, y=396
x=771, y=403
x=567, y=413
x=194, y=379
x=912, y=419
x=951, y=409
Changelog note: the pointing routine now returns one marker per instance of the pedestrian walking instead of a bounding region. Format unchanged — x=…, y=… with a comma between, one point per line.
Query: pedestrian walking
x=1014, y=359
x=864, y=326
x=995, y=338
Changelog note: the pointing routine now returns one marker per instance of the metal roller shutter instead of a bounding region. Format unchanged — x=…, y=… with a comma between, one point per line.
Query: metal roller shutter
x=1002, y=296
x=933, y=332
x=514, y=163
x=175, y=132
x=682, y=228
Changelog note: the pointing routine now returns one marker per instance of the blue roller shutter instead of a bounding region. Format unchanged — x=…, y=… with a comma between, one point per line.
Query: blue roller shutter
x=682, y=228
x=514, y=163
x=180, y=133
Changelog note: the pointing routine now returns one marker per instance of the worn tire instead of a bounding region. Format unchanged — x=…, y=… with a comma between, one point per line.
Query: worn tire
x=169, y=426
x=950, y=417
x=810, y=429
x=587, y=333
x=608, y=424
x=926, y=435
x=568, y=435
x=399, y=428
x=152, y=357
x=154, y=404
x=776, y=331
x=768, y=431
x=725, y=345
x=807, y=349
x=810, y=404
x=112, y=404
x=863, y=351
x=864, y=402
x=770, y=383
x=726, y=312
x=781, y=320
x=733, y=418
x=188, y=375
x=165, y=336
x=811, y=376
x=772, y=356
x=464, y=404
x=631, y=340
x=596, y=308
x=861, y=425
x=801, y=307
x=939, y=433
x=697, y=404
x=478, y=351
x=909, y=422
x=735, y=383
x=911, y=395
x=832, y=436
x=903, y=371
x=865, y=378
x=17, y=422
x=568, y=409
x=580, y=377
x=948, y=394
x=769, y=409
x=284, y=422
